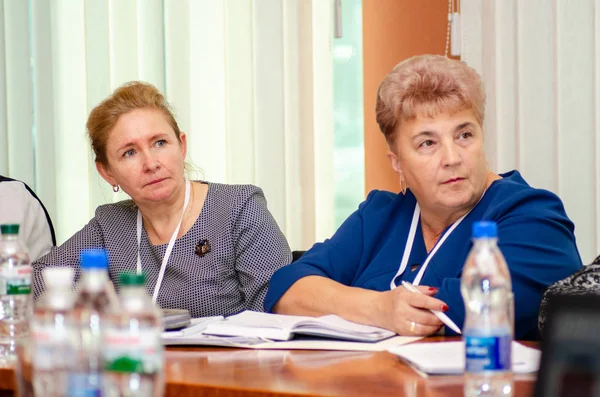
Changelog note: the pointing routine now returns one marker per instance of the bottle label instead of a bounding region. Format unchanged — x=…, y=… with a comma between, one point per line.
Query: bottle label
x=139, y=352
x=15, y=280
x=51, y=346
x=83, y=384
x=488, y=353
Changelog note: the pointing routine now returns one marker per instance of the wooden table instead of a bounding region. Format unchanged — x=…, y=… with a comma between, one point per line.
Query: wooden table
x=226, y=372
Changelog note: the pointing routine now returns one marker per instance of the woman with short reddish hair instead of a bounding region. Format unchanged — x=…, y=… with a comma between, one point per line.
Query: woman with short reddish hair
x=430, y=110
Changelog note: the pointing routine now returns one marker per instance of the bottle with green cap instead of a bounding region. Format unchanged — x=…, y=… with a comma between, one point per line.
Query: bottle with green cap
x=16, y=303
x=133, y=351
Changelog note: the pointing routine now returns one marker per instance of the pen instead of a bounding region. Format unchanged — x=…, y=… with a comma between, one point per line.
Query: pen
x=445, y=319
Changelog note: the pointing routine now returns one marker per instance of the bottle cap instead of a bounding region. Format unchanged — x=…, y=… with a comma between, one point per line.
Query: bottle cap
x=94, y=259
x=485, y=229
x=58, y=276
x=11, y=228
x=132, y=279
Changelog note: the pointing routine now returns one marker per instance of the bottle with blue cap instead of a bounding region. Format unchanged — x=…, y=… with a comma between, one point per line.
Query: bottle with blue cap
x=488, y=331
x=96, y=297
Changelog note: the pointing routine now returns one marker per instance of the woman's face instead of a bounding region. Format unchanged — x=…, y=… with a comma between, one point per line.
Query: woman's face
x=442, y=160
x=144, y=156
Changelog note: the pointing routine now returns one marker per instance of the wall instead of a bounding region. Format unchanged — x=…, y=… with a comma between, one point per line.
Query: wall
x=393, y=30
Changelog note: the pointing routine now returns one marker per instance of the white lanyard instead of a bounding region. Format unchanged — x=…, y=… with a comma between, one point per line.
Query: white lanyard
x=163, y=266
x=411, y=239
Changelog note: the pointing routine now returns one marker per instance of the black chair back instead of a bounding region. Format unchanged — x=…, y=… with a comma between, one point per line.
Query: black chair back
x=296, y=255
x=570, y=363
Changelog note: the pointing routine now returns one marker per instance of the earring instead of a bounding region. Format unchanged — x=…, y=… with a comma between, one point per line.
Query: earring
x=115, y=188
x=403, y=186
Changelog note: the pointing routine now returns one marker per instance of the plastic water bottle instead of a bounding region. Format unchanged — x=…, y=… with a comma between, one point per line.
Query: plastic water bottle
x=488, y=330
x=16, y=303
x=133, y=351
x=95, y=299
x=51, y=337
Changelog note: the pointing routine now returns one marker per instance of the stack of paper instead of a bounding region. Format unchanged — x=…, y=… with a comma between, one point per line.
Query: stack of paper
x=447, y=358
x=271, y=331
x=296, y=344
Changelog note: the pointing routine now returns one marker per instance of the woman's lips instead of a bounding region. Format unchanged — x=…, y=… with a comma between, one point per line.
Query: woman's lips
x=453, y=180
x=156, y=181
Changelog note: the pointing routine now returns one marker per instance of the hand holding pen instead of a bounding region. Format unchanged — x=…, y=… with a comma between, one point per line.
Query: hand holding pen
x=443, y=318
x=407, y=313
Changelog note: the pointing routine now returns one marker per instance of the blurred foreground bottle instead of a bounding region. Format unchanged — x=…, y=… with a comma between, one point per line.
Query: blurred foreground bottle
x=96, y=297
x=52, y=340
x=15, y=294
x=133, y=351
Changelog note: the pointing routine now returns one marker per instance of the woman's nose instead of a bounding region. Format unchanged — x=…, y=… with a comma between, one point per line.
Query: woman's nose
x=150, y=162
x=451, y=155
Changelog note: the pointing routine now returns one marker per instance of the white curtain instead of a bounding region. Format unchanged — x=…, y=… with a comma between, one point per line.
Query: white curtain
x=250, y=81
x=540, y=61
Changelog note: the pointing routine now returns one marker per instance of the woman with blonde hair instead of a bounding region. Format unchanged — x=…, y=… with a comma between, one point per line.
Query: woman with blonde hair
x=206, y=247
x=430, y=110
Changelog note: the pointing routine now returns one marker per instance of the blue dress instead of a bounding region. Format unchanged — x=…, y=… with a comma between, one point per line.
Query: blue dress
x=535, y=235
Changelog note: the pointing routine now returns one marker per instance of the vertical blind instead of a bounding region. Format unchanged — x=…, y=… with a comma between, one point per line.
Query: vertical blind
x=540, y=61
x=250, y=82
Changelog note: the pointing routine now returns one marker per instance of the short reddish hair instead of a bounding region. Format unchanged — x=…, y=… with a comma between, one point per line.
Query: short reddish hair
x=427, y=85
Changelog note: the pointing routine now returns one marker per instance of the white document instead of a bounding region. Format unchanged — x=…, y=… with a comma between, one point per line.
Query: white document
x=258, y=343
x=282, y=327
x=446, y=358
x=197, y=325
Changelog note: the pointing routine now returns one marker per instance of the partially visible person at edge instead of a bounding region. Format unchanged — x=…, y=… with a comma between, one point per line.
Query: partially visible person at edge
x=226, y=242
x=20, y=205
x=430, y=110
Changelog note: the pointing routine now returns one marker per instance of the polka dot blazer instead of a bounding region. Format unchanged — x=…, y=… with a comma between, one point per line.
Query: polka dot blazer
x=221, y=266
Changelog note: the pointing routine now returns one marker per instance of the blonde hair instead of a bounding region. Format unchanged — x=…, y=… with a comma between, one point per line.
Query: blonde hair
x=427, y=85
x=130, y=96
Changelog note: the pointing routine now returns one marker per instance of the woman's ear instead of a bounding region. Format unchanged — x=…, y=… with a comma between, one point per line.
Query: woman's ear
x=394, y=161
x=183, y=139
x=105, y=173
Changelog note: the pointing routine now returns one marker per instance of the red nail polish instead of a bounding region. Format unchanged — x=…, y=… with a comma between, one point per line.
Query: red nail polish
x=444, y=308
x=432, y=289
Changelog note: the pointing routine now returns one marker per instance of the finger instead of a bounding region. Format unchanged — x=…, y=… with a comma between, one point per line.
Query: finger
x=425, y=302
x=424, y=317
x=427, y=290
x=417, y=329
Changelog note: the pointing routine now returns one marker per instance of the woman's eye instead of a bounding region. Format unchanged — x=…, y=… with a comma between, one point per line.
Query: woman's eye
x=426, y=143
x=129, y=153
x=161, y=142
x=465, y=135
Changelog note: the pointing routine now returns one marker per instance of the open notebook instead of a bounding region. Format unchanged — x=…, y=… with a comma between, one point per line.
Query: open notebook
x=256, y=331
x=447, y=358
x=281, y=327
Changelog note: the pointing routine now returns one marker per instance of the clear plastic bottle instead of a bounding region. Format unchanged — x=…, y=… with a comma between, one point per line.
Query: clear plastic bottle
x=16, y=304
x=488, y=330
x=95, y=298
x=51, y=339
x=133, y=351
